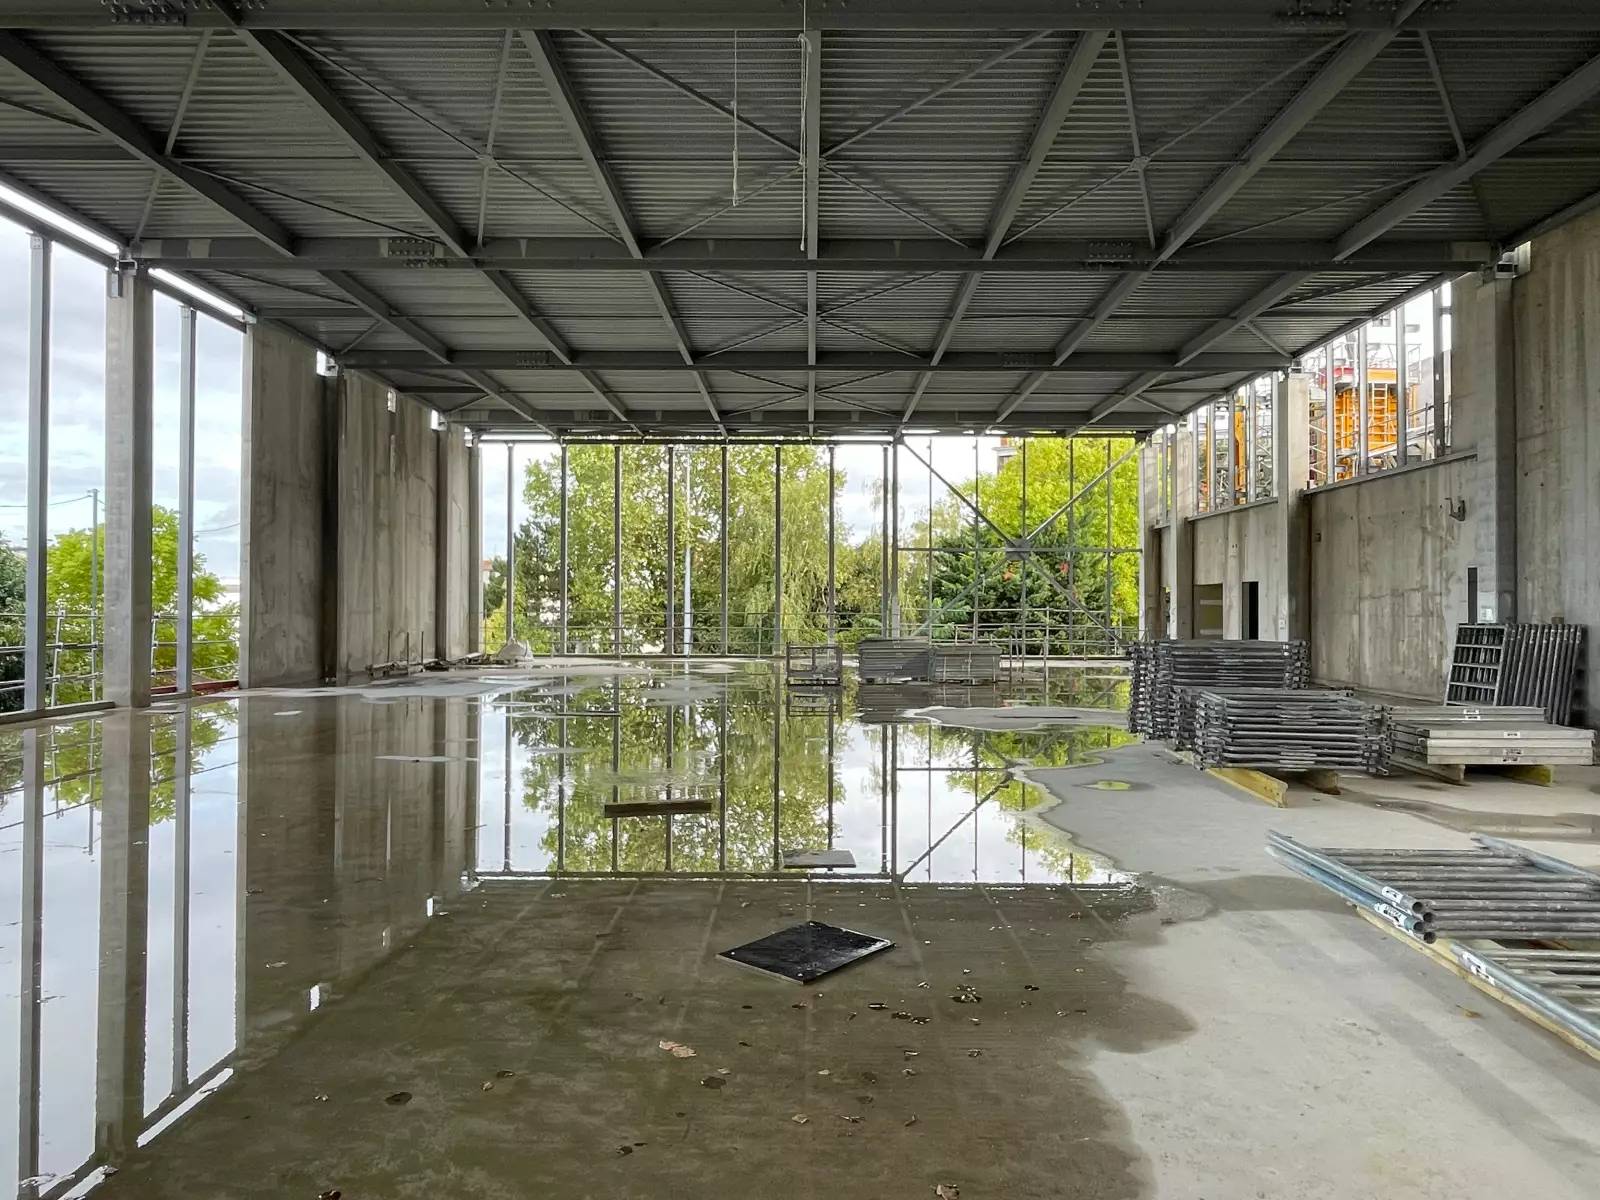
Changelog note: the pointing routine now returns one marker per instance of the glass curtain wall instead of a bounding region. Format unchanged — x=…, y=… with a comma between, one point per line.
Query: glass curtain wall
x=53, y=324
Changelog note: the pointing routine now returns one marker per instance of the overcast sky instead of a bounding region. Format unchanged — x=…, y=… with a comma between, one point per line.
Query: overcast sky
x=77, y=405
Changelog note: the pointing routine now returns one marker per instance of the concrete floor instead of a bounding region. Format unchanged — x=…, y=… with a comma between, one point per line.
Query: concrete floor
x=1217, y=1029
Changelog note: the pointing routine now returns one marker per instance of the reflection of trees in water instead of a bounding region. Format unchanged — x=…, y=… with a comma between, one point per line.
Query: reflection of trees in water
x=695, y=737
x=72, y=759
x=693, y=770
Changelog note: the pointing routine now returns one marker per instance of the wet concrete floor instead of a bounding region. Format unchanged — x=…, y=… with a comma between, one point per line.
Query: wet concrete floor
x=386, y=942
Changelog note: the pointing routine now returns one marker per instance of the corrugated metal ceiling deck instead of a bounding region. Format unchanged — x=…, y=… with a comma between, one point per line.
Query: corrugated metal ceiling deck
x=492, y=149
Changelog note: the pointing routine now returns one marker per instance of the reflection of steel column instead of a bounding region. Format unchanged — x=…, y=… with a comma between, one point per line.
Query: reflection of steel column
x=505, y=851
x=38, y=535
x=184, y=674
x=31, y=938
x=722, y=775
x=124, y=934
x=616, y=757
x=181, y=790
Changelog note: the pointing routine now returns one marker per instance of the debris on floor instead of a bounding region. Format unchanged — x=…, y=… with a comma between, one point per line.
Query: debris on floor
x=806, y=952
x=802, y=859
x=677, y=1049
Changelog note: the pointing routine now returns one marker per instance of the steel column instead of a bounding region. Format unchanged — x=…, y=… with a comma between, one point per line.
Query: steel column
x=185, y=606
x=511, y=550
x=38, y=528
x=894, y=540
x=564, y=649
x=30, y=940
x=668, y=634
x=833, y=597
x=777, y=559
x=616, y=579
x=1363, y=403
x=1402, y=405
x=722, y=536
x=1439, y=398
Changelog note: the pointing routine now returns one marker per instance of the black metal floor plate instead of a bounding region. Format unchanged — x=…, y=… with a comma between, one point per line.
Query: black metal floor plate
x=806, y=952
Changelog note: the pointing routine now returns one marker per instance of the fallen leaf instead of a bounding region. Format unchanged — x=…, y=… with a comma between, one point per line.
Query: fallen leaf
x=1030, y=987
x=1470, y=1012
x=877, y=1006
x=330, y=1194
x=909, y=1071
x=504, y=1074
x=397, y=1098
x=724, y=1071
x=488, y=1085
x=824, y=1071
x=800, y=1119
x=713, y=1082
x=678, y=1049
x=911, y=1122
x=852, y=1120
x=974, y=1053
x=624, y=1151
x=947, y=1191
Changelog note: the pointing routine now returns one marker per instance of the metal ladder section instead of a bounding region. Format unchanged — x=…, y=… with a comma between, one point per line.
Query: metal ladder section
x=1496, y=892
x=1475, y=662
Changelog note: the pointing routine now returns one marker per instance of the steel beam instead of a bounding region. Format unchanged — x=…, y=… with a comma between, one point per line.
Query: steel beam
x=112, y=120
x=35, y=660
x=1069, y=83
x=811, y=167
x=1265, y=16
x=665, y=362
x=561, y=93
x=1108, y=256
x=1533, y=117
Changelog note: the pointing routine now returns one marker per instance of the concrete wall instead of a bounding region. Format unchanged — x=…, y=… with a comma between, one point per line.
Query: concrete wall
x=1231, y=548
x=387, y=513
x=282, y=497
x=1387, y=584
x=1556, y=314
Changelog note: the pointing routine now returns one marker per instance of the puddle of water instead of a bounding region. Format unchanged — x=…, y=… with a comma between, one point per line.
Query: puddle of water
x=847, y=768
x=1111, y=785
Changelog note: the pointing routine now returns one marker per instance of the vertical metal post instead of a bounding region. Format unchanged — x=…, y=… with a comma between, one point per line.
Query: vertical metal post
x=185, y=613
x=38, y=532
x=1027, y=553
x=1233, y=448
x=722, y=534
x=1362, y=402
x=1250, y=406
x=1402, y=396
x=894, y=540
x=777, y=554
x=616, y=570
x=1105, y=584
x=669, y=632
x=96, y=598
x=1439, y=397
x=883, y=543
x=511, y=551
x=833, y=598
x=927, y=566
x=977, y=533
x=562, y=643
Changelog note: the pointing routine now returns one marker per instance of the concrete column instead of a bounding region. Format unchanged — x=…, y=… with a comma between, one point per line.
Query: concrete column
x=1291, y=464
x=445, y=553
x=1483, y=417
x=286, y=455
x=130, y=351
x=474, y=548
x=1178, y=558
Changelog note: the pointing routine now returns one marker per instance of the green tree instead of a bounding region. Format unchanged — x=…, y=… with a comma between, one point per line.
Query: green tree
x=13, y=580
x=70, y=592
